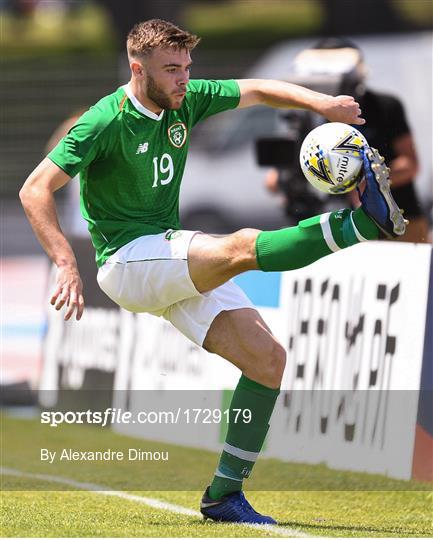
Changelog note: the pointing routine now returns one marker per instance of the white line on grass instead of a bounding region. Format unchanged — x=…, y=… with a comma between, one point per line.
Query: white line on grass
x=148, y=501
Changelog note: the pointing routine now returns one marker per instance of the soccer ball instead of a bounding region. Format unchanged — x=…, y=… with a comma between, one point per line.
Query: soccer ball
x=331, y=157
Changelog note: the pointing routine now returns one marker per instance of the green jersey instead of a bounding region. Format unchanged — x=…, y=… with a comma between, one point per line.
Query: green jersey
x=131, y=161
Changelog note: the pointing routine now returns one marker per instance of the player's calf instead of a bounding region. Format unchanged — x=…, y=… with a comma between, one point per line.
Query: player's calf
x=242, y=337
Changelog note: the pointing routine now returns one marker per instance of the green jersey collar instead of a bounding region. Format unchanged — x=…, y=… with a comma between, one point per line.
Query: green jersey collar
x=139, y=106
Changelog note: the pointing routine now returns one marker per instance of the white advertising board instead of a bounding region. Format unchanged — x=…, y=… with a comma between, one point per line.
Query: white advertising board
x=353, y=325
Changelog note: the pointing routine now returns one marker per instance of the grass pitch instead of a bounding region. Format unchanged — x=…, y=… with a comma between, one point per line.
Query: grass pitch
x=35, y=506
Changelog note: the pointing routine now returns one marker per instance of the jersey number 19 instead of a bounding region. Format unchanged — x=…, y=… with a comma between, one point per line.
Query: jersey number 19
x=160, y=169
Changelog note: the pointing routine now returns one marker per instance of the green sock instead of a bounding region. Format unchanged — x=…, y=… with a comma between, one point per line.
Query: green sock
x=244, y=440
x=312, y=239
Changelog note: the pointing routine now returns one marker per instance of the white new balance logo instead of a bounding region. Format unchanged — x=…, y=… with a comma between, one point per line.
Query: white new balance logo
x=142, y=148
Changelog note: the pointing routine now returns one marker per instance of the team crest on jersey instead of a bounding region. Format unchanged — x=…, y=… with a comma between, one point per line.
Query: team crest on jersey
x=177, y=134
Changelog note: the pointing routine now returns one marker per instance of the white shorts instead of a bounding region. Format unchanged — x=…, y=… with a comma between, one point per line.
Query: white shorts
x=150, y=274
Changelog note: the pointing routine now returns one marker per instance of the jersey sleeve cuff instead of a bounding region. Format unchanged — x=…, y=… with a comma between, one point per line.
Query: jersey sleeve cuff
x=67, y=170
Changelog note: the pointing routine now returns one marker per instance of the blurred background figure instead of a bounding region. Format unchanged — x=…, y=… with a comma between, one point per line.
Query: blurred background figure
x=386, y=128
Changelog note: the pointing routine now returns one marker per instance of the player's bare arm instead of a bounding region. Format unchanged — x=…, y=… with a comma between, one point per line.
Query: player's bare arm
x=281, y=94
x=37, y=198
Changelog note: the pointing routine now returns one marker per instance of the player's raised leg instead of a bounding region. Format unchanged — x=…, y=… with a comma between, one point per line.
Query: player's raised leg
x=242, y=337
x=214, y=260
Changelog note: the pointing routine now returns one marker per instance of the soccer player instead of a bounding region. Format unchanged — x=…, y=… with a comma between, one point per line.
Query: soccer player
x=130, y=151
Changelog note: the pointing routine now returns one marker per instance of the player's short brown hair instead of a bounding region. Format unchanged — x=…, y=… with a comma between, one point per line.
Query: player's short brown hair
x=146, y=36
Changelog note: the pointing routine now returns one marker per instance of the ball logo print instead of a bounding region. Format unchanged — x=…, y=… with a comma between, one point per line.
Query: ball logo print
x=177, y=134
x=318, y=166
x=331, y=157
x=350, y=142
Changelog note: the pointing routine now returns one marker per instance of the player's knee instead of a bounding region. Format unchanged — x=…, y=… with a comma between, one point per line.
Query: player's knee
x=278, y=363
x=273, y=366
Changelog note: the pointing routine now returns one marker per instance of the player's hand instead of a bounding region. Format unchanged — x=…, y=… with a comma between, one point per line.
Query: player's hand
x=342, y=109
x=69, y=291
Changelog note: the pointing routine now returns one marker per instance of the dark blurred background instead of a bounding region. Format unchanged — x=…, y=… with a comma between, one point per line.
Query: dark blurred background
x=60, y=55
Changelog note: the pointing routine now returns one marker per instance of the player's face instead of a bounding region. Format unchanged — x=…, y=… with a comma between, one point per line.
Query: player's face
x=167, y=74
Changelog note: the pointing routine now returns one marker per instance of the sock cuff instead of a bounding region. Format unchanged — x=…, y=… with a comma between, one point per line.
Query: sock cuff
x=263, y=248
x=325, y=224
x=348, y=231
x=253, y=386
x=364, y=224
x=356, y=231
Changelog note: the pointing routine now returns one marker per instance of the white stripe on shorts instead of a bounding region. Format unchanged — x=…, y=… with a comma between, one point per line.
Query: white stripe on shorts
x=327, y=232
x=242, y=454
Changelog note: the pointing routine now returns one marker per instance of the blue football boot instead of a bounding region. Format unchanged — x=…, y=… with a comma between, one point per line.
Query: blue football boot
x=232, y=508
x=376, y=200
